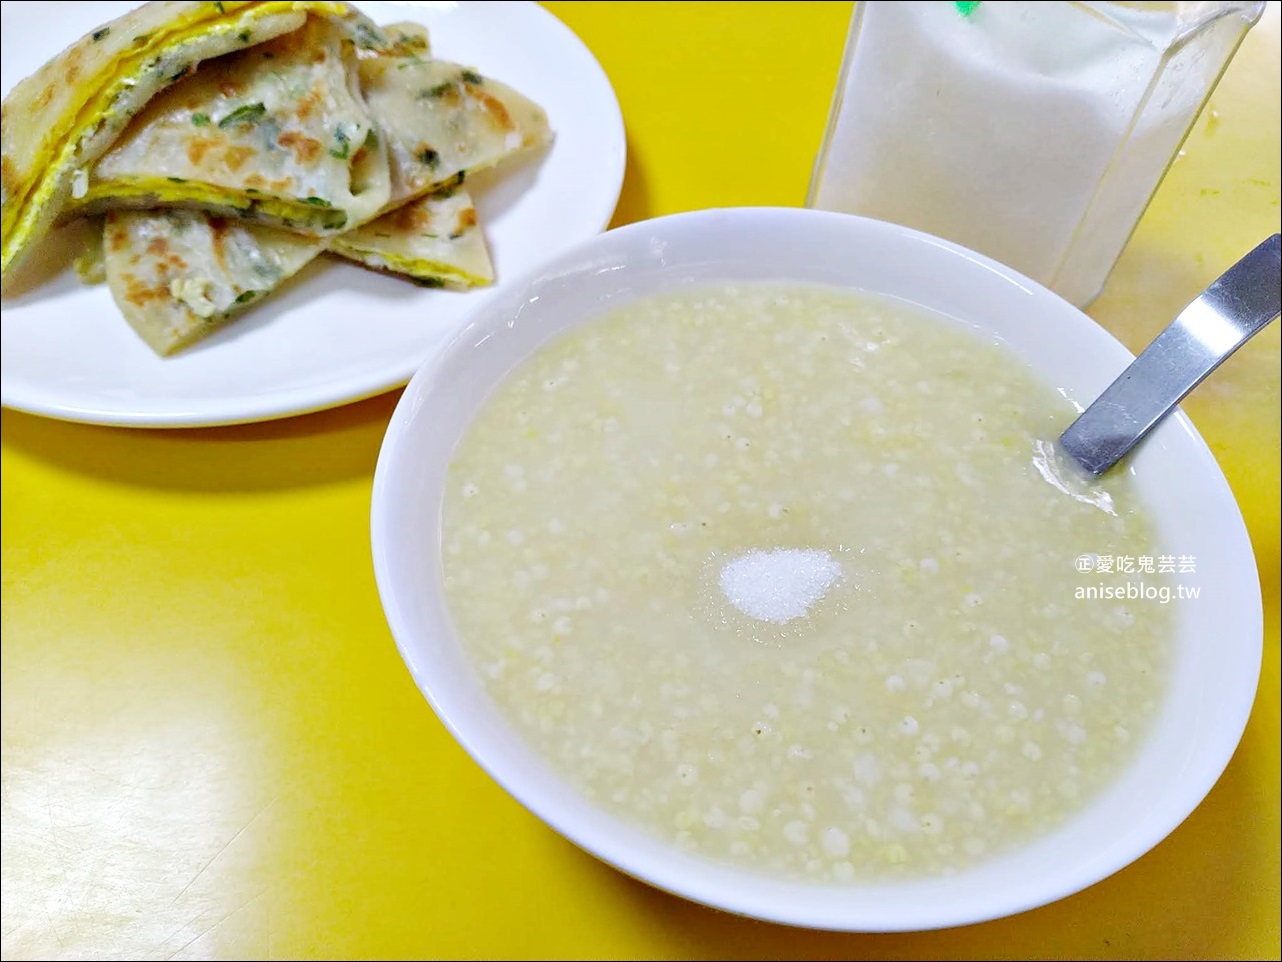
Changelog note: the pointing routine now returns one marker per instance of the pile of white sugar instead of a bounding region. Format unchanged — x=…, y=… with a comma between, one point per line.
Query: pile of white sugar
x=778, y=585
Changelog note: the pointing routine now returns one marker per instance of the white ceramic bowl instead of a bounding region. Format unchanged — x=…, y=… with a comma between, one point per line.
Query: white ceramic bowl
x=1218, y=649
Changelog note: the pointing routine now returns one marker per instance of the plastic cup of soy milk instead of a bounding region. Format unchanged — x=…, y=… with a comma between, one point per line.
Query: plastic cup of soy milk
x=1034, y=133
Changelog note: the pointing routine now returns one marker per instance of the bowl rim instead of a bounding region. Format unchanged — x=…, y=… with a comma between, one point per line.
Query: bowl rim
x=736, y=890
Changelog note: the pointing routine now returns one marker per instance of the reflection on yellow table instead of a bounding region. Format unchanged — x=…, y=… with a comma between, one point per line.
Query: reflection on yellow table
x=212, y=750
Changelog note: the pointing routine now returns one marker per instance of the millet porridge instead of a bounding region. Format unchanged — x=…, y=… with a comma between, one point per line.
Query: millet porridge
x=776, y=571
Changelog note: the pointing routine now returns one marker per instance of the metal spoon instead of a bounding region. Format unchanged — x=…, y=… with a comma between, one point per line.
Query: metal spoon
x=1239, y=303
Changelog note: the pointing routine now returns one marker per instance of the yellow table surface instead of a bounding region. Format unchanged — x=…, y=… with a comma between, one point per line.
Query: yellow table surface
x=211, y=748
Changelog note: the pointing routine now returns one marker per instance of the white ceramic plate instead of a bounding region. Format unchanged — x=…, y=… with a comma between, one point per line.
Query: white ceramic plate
x=338, y=333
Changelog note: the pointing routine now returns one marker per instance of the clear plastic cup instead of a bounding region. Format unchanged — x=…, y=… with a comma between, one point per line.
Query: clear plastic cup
x=1035, y=133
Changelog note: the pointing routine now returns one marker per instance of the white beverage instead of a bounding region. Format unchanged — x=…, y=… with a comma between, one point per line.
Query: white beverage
x=1034, y=133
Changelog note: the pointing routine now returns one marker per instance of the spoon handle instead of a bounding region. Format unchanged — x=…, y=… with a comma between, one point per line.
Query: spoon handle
x=1239, y=303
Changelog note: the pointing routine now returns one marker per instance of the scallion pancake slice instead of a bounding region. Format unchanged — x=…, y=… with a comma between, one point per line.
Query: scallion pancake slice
x=277, y=134
x=442, y=120
x=179, y=275
x=60, y=120
x=435, y=241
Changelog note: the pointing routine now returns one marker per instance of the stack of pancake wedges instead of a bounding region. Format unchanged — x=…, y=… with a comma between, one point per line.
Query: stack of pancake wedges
x=214, y=149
